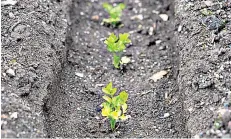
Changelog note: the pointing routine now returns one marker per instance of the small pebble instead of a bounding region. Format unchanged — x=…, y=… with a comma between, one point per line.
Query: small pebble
x=179, y=28
x=150, y=31
x=162, y=47
x=95, y=17
x=166, y=115
x=158, y=41
x=11, y=15
x=139, y=17
x=164, y=17
x=10, y=72
x=14, y=115
x=79, y=74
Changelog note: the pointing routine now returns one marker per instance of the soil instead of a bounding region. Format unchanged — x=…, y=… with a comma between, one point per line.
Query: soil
x=205, y=61
x=33, y=44
x=72, y=107
x=55, y=64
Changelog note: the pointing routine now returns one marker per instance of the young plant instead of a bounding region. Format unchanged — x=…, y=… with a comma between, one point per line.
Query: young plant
x=114, y=12
x=114, y=107
x=116, y=46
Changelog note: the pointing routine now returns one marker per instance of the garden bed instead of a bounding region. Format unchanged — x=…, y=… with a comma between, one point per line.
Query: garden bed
x=72, y=107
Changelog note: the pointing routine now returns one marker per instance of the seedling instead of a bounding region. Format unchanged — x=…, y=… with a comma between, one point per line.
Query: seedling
x=114, y=107
x=116, y=46
x=114, y=12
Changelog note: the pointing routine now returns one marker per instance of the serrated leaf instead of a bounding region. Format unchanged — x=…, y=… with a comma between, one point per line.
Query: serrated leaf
x=123, y=96
x=111, y=47
x=107, y=98
x=115, y=114
x=116, y=101
x=120, y=46
x=107, y=7
x=124, y=38
x=107, y=89
x=106, y=110
x=113, y=91
x=112, y=38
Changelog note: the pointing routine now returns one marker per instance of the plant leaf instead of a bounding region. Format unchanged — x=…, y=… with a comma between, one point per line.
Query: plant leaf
x=107, y=98
x=124, y=108
x=107, y=89
x=112, y=38
x=106, y=110
x=113, y=91
x=122, y=6
x=120, y=46
x=124, y=38
x=123, y=97
x=107, y=7
x=115, y=114
x=116, y=101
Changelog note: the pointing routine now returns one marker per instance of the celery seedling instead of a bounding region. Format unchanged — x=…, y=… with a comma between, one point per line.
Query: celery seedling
x=116, y=46
x=114, y=107
x=114, y=12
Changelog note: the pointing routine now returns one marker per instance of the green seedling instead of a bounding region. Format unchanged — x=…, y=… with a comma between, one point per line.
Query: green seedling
x=116, y=46
x=114, y=107
x=114, y=12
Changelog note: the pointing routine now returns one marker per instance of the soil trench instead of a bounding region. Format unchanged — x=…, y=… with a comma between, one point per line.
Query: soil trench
x=156, y=108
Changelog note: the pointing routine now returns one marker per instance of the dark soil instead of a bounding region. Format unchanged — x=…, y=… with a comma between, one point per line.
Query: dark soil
x=33, y=44
x=54, y=64
x=72, y=107
x=205, y=62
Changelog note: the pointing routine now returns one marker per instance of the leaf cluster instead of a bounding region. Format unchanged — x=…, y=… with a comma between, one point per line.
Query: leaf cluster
x=114, y=12
x=116, y=45
x=114, y=107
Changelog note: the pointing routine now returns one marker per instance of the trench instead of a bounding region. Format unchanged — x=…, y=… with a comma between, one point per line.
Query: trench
x=156, y=108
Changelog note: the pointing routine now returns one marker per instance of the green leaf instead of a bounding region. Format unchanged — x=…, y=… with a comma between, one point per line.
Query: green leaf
x=122, y=6
x=106, y=109
x=111, y=47
x=111, y=39
x=115, y=114
x=124, y=108
x=107, y=98
x=124, y=38
x=116, y=101
x=116, y=61
x=107, y=7
x=123, y=96
x=109, y=89
x=120, y=46
x=113, y=91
